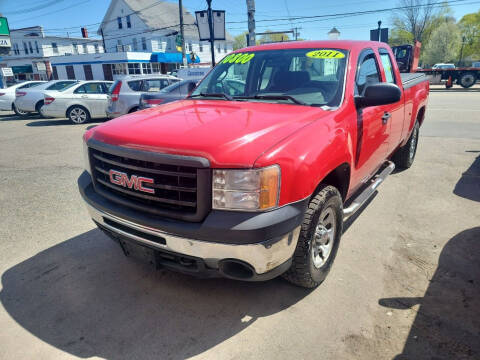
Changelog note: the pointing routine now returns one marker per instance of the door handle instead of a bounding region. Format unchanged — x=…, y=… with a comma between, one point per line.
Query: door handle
x=385, y=117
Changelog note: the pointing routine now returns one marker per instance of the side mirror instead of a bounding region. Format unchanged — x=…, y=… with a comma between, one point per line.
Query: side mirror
x=379, y=94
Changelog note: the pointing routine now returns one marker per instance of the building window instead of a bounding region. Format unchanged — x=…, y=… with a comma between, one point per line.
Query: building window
x=70, y=72
x=88, y=72
x=55, y=48
x=16, y=50
x=218, y=48
x=85, y=49
x=75, y=48
x=134, y=68
x=134, y=44
x=96, y=48
x=225, y=48
x=54, y=73
x=156, y=68
x=25, y=48
x=144, y=43
x=129, y=24
x=119, y=69
x=190, y=47
x=36, y=47
x=200, y=47
x=119, y=21
x=147, y=68
x=160, y=44
x=119, y=46
x=30, y=47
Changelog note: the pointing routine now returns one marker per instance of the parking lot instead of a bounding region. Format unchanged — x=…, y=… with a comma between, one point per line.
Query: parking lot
x=405, y=284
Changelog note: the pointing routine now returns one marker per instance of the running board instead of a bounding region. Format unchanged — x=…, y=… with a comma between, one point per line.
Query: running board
x=369, y=191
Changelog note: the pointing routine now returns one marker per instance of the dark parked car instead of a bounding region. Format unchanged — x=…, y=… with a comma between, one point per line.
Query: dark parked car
x=168, y=94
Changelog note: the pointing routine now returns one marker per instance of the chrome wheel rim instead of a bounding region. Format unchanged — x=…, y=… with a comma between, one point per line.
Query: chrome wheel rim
x=413, y=143
x=324, y=237
x=20, y=111
x=78, y=115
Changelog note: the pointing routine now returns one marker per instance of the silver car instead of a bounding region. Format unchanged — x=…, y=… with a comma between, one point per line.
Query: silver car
x=7, y=96
x=124, y=94
x=31, y=100
x=79, y=102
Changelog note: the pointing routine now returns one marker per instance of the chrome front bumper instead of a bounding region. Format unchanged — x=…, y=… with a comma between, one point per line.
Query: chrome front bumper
x=263, y=257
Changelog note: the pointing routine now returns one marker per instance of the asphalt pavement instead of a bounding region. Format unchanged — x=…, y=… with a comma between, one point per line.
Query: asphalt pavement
x=405, y=283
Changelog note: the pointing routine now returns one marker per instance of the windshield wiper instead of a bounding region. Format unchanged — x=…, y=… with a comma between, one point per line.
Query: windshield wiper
x=273, y=97
x=218, y=95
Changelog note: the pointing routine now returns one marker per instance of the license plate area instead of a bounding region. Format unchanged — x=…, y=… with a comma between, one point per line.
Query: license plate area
x=140, y=253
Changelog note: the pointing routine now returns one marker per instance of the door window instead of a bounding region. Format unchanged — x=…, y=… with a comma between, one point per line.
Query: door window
x=387, y=66
x=367, y=74
x=153, y=85
x=91, y=88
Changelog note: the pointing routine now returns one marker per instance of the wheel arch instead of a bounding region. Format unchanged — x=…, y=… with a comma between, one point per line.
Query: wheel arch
x=338, y=178
x=421, y=115
x=37, y=108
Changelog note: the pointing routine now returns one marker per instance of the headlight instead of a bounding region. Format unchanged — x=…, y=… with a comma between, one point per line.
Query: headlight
x=249, y=190
x=86, y=160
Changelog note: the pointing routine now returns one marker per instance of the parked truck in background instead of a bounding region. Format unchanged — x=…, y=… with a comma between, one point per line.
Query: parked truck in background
x=255, y=181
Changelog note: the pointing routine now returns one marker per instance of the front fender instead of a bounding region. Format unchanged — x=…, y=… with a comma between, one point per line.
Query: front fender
x=308, y=156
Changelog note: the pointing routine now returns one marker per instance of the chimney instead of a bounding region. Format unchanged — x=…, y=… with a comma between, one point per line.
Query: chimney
x=84, y=32
x=334, y=34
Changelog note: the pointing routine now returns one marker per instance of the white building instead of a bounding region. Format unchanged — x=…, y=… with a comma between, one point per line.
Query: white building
x=32, y=51
x=152, y=26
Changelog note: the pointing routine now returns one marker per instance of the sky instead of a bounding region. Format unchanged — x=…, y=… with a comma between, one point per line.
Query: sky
x=59, y=17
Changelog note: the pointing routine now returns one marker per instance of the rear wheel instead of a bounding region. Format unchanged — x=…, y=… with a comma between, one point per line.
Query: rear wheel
x=18, y=112
x=467, y=80
x=404, y=156
x=78, y=114
x=319, y=239
x=38, y=106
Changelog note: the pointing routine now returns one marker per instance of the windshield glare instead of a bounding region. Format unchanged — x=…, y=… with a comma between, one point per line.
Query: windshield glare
x=312, y=76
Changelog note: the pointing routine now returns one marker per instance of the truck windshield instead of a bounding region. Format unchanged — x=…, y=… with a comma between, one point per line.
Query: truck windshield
x=300, y=76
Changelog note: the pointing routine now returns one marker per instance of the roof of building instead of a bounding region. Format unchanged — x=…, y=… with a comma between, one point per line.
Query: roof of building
x=38, y=30
x=160, y=15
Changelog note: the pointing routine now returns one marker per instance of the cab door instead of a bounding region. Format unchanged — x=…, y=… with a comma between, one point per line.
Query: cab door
x=372, y=129
x=394, y=113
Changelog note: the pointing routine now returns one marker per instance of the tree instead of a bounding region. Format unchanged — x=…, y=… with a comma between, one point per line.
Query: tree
x=413, y=17
x=400, y=37
x=268, y=38
x=470, y=28
x=240, y=41
x=444, y=44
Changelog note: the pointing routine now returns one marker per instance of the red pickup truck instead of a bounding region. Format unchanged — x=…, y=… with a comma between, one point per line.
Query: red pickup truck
x=254, y=173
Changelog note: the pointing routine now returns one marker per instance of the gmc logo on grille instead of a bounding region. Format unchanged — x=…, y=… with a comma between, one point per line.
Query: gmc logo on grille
x=134, y=182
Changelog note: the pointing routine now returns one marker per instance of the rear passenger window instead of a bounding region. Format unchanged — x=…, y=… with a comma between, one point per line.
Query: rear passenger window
x=368, y=73
x=135, y=85
x=91, y=88
x=387, y=66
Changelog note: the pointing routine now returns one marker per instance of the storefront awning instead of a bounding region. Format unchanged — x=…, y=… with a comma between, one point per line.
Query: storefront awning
x=161, y=57
x=22, y=69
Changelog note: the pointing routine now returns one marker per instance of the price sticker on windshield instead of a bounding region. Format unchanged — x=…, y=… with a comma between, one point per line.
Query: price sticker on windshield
x=238, y=58
x=325, y=54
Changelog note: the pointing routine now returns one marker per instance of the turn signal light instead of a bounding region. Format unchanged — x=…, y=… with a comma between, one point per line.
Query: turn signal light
x=48, y=100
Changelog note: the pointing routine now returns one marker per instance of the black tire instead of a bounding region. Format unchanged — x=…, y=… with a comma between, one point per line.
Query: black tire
x=305, y=272
x=78, y=114
x=467, y=80
x=404, y=156
x=19, y=112
x=38, y=106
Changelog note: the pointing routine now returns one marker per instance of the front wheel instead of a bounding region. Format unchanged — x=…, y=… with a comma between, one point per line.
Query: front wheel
x=78, y=114
x=467, y=80
x=19, y=112
x=319, y=239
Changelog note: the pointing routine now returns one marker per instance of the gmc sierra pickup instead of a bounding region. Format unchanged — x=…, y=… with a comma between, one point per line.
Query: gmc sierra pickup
x=253, y=175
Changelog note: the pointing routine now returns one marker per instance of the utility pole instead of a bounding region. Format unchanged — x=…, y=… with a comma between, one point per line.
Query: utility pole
x=103, y=41
x=460, y=61
x=180, y=9
x=210, y=26
x=251, y=22
x=379, y=26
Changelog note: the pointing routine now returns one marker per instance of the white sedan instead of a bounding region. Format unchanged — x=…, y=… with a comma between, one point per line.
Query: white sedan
x=80, y=102
x=31, y=100
x=7, y=96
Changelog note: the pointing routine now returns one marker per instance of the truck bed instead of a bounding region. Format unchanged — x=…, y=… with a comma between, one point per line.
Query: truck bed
x=412, y=79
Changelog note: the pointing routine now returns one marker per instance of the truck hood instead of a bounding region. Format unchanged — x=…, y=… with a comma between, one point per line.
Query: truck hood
x=227, y=133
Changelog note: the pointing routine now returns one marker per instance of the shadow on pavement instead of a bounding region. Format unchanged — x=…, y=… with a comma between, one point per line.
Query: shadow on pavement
x=54, y=122
x=469, y=184
x=84, y=297
x=447, y=324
